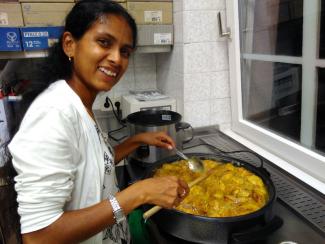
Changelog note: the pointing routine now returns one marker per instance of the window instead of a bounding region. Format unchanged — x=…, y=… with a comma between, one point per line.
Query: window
x=277, y=73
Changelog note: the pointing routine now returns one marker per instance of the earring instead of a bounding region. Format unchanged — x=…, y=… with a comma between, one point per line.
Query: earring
x=70, y=59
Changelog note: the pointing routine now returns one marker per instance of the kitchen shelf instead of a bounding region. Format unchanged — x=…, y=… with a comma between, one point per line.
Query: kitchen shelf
x=154, y=49
x=44, y=53
x=24, y=54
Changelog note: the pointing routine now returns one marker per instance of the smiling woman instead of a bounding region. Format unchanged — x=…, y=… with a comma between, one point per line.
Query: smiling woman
x=66, y=184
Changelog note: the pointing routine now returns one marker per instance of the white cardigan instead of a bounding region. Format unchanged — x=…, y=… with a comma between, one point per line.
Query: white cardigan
x=58, y=157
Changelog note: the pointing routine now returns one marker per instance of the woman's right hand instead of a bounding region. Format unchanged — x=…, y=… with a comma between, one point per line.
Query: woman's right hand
x=166, y=191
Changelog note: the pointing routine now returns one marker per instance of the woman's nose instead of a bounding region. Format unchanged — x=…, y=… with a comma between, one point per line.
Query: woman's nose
x=114, y=56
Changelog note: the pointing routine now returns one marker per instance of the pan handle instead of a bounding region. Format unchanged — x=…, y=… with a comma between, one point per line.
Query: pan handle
x=256, y=235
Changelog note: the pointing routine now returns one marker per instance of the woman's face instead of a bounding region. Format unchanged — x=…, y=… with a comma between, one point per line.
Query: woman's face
x=101, y=56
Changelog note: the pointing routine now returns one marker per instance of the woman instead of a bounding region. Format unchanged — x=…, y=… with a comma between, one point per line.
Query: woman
x=66, y=186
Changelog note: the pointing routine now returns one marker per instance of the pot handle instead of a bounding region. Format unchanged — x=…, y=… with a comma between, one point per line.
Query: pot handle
x=256, y=235
x=183, y=126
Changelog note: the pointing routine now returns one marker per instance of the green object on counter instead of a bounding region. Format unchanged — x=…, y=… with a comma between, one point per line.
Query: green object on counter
x=138, y=228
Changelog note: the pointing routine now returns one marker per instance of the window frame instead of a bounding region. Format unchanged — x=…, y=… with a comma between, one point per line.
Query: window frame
x=281, y=148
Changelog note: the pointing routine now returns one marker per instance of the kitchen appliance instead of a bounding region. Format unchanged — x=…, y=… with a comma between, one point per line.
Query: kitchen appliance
x=156, y=120
x=131, y=103
x=250, y=227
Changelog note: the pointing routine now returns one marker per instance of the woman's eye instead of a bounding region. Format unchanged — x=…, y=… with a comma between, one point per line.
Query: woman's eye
x=125, y=53
x=104, y=43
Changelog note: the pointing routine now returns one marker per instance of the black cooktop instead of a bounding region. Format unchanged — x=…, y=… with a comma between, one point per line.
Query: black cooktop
x=302, y=209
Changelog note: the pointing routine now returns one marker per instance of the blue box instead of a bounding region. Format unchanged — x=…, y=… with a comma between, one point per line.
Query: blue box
x=10, y=39
x=40, y=38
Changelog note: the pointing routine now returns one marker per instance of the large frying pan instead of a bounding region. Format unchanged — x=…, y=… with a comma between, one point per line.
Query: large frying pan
x=240, y=229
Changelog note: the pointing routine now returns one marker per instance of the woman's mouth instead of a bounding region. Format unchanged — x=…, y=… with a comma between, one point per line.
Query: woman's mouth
x=108, y=72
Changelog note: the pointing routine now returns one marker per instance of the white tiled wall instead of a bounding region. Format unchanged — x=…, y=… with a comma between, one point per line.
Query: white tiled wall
x=196, y=72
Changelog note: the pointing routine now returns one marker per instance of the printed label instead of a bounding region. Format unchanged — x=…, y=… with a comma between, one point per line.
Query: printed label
x=166, y=117
x=4, y=19
x=36, y=34
x=153, y=16
x=163, y=38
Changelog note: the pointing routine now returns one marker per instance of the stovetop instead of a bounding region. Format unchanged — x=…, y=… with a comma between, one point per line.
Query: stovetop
x=301, y=208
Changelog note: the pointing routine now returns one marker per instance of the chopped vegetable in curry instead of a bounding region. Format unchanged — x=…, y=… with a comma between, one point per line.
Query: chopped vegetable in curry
x=229, y=191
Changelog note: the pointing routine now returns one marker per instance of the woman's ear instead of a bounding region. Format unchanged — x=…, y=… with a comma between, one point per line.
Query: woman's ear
x=68, y=44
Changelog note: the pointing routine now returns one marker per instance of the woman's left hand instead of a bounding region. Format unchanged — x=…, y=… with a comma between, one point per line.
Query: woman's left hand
x=159, y=139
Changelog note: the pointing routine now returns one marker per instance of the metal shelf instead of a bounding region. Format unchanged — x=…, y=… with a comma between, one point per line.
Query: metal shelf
x=44, y=53
x=22, y=54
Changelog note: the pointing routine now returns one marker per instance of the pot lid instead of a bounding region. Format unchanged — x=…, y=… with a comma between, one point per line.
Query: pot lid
x=154, y=118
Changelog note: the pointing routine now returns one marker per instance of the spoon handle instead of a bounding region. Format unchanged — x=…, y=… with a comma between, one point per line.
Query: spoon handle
x=182, y=155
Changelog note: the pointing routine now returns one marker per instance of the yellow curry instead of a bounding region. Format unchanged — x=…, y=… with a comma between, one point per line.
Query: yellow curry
x=229, y=191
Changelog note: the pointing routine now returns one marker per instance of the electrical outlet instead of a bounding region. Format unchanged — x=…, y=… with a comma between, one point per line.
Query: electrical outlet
x=114, y=100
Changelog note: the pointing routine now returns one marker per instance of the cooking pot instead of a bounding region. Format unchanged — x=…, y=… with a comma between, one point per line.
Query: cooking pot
x=156, y=120
x=239, y=229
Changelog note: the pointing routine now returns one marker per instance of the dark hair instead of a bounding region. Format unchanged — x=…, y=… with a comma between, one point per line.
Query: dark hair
x=81, y=17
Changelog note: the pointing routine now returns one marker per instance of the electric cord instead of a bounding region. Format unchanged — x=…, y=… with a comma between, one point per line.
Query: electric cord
x=118, y=118
x=116, y=130
x=221, y=152
x=116, y=113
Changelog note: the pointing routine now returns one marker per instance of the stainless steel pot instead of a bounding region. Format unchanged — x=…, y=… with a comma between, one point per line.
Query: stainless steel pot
x=156, y=120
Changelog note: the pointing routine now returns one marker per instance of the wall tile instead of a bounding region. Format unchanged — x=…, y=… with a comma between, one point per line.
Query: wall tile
x=145, y=78
x=172, y=61
x=200, y=26
x=144, y=60
x=197, y=113
x=196, y=87
x=127, y=81
x=203, y=4
x=205, y=57
x=220, y=111
x=178, y=27
x=219, y=84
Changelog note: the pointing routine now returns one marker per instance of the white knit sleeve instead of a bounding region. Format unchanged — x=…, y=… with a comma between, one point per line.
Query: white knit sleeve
x=44, y=155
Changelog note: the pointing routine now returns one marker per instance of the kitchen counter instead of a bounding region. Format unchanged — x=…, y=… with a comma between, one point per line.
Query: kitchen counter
x=301, y=208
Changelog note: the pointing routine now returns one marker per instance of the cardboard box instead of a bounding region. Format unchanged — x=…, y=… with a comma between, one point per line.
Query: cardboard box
x=150, y=0
x=10, y=15
x=40, y=38
x=151, y=12
x=123, y=3
x=150, y=35
x=45, y=14
x=46, y=1
x=10, y=39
